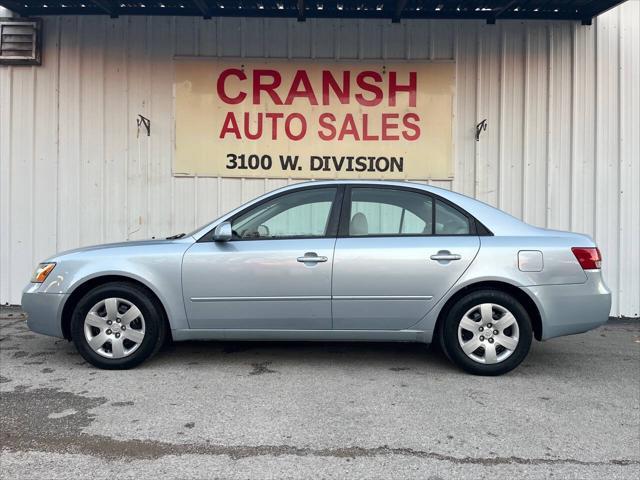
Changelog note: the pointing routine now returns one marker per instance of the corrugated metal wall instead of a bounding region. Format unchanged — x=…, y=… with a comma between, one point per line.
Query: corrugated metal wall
x=561, y=149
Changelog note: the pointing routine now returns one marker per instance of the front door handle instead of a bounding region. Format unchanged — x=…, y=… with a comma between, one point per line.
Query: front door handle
x=445, y=256
x=312, y=257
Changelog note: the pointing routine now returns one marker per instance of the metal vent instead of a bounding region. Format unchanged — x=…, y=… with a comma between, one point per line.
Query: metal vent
x=20, y=41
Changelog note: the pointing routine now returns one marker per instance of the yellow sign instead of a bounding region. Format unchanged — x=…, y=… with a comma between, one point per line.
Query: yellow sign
x=314, y=119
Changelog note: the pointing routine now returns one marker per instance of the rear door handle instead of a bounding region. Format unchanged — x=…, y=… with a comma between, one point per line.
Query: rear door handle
x=312, y=257
x=445, y=256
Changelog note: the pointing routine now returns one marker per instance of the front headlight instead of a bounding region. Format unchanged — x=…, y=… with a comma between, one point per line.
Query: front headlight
x=42, y=272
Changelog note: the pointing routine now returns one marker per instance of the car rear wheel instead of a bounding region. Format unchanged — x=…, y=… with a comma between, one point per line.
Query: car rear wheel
x=117, y=326
x=487, y=332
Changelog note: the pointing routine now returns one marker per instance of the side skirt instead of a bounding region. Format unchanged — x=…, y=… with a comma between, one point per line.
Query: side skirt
x=304, y=335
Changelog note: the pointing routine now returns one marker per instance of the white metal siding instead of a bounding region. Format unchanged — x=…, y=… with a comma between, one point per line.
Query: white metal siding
x=561, y=149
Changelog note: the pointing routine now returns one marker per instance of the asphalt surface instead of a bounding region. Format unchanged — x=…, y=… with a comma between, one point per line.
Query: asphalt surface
x=319, y=410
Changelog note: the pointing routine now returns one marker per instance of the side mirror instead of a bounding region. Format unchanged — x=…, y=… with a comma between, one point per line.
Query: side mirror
x=223, y=232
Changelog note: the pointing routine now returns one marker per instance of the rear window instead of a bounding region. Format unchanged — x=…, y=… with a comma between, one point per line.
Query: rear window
x=450, y=221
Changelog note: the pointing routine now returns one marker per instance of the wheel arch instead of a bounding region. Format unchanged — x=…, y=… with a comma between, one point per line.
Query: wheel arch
x=82, y=288
x=528, y=303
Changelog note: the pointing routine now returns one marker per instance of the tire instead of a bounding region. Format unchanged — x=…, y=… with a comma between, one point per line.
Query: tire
x=473, y=346
x=123, y=310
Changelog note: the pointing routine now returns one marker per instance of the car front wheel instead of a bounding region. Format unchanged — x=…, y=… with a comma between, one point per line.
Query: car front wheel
x=117, y=326
x=487, y=332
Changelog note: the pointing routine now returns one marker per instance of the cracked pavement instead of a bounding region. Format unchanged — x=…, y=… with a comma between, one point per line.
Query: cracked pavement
x=319, y=410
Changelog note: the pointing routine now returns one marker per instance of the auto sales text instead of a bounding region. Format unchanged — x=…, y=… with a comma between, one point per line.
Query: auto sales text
x=364, y=90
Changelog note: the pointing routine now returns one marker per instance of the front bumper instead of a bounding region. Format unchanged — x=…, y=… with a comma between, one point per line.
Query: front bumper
x=44, y=310
x=572, y=308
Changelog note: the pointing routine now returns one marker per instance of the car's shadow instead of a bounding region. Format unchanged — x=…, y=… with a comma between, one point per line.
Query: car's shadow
x=394, y=355
x=564, y=356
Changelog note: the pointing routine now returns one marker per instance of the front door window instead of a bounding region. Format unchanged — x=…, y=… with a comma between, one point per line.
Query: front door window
x=303, y=214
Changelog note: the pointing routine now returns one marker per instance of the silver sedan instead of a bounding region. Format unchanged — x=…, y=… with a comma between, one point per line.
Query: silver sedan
x=330, y=261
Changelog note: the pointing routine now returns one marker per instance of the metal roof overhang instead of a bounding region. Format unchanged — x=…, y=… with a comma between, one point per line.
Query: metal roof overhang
x=394, y=10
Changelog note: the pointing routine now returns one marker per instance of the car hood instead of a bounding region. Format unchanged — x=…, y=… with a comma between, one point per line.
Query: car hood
x=119, y=245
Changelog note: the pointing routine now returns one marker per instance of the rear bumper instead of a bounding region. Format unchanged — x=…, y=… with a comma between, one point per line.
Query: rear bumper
x=573, y=308
x=44, y=310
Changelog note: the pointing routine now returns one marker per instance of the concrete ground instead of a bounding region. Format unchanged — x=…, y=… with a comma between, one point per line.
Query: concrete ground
x=323, y=410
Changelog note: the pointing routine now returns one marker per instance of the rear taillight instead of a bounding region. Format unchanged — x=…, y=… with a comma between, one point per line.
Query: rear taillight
x=589, y=258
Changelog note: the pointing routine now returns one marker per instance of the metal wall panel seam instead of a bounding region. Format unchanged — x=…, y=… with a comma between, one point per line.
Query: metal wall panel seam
x=501, y=147
x=32, y=206
x=6, y=277
x=525, y=121
x=620, y=106
x=572, y=132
